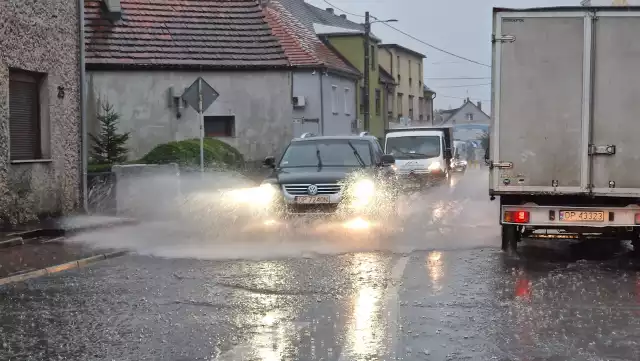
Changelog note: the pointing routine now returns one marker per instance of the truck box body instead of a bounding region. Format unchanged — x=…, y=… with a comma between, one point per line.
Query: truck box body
x=566, y=102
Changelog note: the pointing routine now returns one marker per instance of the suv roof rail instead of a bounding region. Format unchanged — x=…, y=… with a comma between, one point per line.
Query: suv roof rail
x=364, y=134
x=307, y=135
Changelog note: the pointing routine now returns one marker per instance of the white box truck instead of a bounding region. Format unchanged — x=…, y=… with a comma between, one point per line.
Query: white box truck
x=565, y=136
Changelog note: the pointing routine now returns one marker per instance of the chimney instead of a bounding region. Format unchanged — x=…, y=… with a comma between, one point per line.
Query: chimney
x=344, y=16
x=112, y=10
x=480, y=105
x=330, y=10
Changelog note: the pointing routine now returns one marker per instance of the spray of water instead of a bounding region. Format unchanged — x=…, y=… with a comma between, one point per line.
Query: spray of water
x=220, y=215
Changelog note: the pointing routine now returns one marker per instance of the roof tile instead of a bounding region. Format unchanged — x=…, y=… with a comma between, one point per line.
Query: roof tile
x=301, y=45
x=200, y=33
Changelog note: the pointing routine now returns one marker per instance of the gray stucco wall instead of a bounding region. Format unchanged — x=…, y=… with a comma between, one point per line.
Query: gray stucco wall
x=307, y=83
x=42, y=37
x=260, y=101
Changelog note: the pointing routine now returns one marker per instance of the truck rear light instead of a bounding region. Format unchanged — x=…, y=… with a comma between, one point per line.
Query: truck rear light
x=516, y=216
x=637, y=218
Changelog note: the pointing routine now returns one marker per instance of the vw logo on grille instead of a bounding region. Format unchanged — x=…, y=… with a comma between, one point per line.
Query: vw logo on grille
x=313, y=189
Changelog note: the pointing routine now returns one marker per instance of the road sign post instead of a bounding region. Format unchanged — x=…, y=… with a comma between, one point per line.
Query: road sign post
x=200, y=95
x=201, y=121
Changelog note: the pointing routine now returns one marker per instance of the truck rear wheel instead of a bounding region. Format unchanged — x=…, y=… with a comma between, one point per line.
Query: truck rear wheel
x=510, y=237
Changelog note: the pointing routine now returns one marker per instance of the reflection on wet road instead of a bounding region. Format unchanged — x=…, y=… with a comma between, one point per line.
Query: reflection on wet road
x=437, y=288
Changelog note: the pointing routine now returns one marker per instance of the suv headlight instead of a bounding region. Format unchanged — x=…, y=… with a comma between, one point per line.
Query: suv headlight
x=265, y=194
x=363, y=192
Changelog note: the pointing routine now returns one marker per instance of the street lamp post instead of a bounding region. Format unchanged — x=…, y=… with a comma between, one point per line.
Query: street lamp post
x=367, y=64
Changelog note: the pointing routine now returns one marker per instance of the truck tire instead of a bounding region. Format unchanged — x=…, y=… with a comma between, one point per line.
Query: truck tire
x=510, y=237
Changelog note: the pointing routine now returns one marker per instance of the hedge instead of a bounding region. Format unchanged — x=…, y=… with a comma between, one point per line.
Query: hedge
x=186, y=153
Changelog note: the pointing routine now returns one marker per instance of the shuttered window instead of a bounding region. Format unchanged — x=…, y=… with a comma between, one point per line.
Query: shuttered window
x=24, y=115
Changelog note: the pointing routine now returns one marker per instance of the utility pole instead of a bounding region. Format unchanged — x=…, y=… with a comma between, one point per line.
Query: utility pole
x=367, y=64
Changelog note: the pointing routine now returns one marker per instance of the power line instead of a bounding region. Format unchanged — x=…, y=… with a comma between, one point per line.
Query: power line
x=463, y=86
x=435, y=47
x=413, y=37
x=344, y=11
x=454, y=97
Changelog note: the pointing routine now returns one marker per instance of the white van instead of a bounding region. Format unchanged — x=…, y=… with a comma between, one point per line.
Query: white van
x=423, y=155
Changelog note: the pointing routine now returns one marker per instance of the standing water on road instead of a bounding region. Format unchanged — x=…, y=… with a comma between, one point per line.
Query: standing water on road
x=455, y=214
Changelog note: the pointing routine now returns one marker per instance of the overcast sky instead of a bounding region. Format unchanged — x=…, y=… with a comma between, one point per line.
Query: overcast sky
x=462, y=27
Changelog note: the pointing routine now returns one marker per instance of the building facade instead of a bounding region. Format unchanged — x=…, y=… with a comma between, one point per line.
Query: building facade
x=351, y=46
x=324, y=83
x=406, y=68
x=143, y=69
x=40, y=122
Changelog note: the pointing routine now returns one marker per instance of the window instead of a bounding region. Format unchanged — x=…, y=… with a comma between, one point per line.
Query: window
x=469, y=116
x=421, y=107
x=331, y=153
x=373, y=57
x=24, y=115
x=334, y=99
x=410, y=106
x=400, y=110
x=361, y=99
x=347, y=101
x=219, y=125
x=378, y=102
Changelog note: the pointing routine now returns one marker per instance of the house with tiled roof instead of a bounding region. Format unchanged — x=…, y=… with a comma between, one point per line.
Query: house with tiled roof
x=142, y=55
x=324, y=83
x=346, y=37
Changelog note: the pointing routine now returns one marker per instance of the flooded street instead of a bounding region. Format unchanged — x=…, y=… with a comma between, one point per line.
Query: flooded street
x=433, y=287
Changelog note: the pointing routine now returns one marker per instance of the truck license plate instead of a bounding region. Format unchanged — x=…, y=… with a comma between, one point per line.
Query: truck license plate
x=312, y=199
x=580, y=216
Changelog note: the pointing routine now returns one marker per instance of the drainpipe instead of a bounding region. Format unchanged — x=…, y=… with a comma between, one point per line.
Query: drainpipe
x=83, y=110
x=321, y=102
x=433, y=118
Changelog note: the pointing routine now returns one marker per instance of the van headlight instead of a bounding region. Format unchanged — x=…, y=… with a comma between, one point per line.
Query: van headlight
x=434, y=166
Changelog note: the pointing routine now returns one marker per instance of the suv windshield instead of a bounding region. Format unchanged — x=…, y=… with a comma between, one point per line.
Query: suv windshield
x=414, y=147
x=326, y=153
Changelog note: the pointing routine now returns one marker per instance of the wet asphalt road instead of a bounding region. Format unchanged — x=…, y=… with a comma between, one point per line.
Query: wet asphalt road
x=435, y=288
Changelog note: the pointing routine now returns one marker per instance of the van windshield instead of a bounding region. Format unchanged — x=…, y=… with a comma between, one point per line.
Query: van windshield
x=416, y=147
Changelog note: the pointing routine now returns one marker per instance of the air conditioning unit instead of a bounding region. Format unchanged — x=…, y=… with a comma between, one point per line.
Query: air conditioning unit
x=299, y=101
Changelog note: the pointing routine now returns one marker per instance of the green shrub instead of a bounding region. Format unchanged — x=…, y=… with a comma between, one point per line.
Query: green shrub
x=186, y=153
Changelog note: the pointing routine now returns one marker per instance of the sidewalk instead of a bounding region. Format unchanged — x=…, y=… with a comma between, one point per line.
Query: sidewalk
x=38, y=246
x=31, y=257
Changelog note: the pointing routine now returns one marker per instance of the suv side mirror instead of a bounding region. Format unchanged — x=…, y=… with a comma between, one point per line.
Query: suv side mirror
x=388, y=159
x=269, y=161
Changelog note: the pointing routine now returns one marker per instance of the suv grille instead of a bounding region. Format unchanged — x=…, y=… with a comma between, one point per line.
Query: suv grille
x=303, y=189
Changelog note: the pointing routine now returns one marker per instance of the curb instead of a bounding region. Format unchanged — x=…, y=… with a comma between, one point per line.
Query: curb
x=59, y=268
x=34, y=236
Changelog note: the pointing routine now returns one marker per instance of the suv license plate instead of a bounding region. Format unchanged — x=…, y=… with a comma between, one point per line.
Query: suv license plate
x=580, y=216
x=312, y=200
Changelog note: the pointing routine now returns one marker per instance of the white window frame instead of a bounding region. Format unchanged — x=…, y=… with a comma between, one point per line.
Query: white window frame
x=334, y=99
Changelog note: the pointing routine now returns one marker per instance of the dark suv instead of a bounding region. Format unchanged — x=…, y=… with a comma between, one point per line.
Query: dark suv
x=333, y=174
